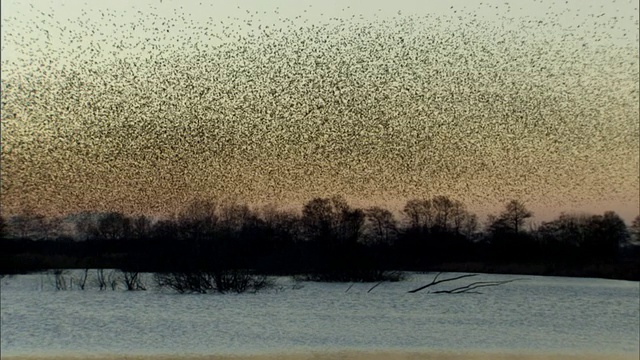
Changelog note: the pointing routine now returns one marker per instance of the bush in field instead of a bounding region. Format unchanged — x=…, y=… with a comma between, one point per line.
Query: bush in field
x=81, y=281
x=203, y=282
x=109, y=279
x=355, y=275
x=59, y=279
x=132, y=281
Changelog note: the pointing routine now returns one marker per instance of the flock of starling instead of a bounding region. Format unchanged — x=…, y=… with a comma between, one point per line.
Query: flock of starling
x=140, y=110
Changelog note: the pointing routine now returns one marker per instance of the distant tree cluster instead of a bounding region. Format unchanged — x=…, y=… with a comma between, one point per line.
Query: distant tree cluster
x=228, y=246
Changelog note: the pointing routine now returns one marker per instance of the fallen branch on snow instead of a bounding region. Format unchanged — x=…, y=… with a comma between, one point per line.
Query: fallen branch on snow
x=462, y=289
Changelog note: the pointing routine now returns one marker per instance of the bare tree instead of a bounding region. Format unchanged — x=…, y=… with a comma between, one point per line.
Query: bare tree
x=234, y=216
x=86, y=225
x=420, y=213
x=634, y=230
x=132, y=281
x=439, y=213
x=39, y=228
x=380, y=226
x=318, y=218
x=453, y=216
x=444, y=211
x=101, y=279
x=108, y=280
x=570, y=229
x=140, y=227
x=26, y=224
x=203, y=282
x=199, y=219
x=114, y=225
x=112, y=279
x=3, y=227
x=332, y=219
x=350, y=225
x=610, y=233
x=469, y=225
x=287, y=221
x=240, y=281
x=51, y=227
x=60, y=282
x=82, y=280
x=185, y=282
x=516, y=214
x=512, y=219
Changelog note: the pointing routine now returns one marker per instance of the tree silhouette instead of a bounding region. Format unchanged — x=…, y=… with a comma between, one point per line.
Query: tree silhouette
x=444, y=211
x=198, y=219
x=420, y=214
x=380, y=226
x=319, y=218
x=26, y=224
x=634, y=229
x=3, y=228
x=113, y=226
x=439, y=214
x=86, y=225
x=512, y=219
x=329, y=240
x=608, y=233
x=140, y=227
x=569, y=229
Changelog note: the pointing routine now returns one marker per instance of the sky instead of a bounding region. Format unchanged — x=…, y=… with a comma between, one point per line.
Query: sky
x=142, y=106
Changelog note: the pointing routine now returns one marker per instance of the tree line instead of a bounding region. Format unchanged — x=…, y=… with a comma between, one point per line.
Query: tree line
x=328, y=240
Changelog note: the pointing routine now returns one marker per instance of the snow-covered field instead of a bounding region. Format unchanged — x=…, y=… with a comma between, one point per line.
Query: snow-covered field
x=536, y=316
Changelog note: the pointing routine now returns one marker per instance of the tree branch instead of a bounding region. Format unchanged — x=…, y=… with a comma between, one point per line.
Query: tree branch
x=473, y=286
x=435, y=281
x=374, y=286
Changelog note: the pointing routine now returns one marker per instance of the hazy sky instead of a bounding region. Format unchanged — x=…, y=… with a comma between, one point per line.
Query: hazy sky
x=141, y=106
